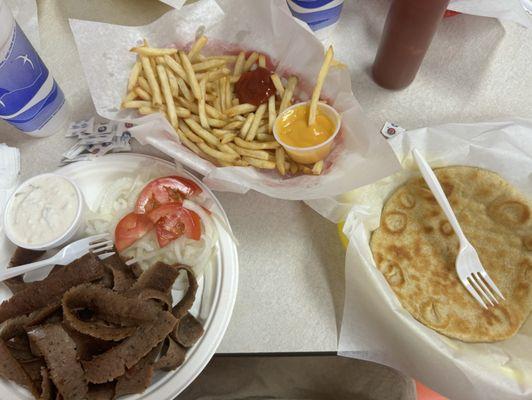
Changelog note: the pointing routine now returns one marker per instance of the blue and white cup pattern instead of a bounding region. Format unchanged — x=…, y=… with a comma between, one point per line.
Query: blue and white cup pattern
x=318, y=14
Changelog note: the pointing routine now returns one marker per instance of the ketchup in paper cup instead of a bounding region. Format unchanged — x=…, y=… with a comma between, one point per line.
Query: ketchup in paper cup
x=303, y=143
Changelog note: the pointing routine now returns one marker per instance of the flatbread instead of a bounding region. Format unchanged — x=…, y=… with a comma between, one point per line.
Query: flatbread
x=415, y=248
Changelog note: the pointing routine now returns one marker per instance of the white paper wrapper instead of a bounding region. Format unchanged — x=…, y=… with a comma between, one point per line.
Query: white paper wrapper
x=509, y=10
x=376, y=327
x=361, y=155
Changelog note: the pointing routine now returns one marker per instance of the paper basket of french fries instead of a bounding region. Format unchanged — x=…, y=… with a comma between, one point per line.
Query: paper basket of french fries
x=184, y=79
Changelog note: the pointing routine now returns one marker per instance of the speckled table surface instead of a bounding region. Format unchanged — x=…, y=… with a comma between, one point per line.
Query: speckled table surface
x=291, y=286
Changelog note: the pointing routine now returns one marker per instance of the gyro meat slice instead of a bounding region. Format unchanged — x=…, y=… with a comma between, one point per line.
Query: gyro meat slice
x=50, y=290
x=59, y=352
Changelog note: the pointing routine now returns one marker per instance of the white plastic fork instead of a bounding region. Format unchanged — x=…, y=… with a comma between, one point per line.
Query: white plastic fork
x=98, y=244
x=468, y=266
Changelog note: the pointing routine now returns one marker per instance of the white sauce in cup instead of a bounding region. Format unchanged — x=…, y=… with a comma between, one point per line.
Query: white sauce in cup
x=42, y=210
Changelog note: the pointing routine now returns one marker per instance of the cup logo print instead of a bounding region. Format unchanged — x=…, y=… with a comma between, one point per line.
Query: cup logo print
x=318, y=14
x=29, y=95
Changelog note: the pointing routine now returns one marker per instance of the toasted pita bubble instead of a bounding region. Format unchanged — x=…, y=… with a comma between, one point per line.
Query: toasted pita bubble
x=324, y=70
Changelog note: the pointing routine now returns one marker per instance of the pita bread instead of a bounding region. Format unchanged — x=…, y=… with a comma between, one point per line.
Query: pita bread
x=415, y=248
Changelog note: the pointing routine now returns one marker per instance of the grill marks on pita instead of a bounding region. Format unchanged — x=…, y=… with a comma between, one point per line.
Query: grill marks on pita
x=96, y=329
x=415, y=248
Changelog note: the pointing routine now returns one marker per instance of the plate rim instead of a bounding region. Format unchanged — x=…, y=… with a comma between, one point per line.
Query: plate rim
x=224, y=296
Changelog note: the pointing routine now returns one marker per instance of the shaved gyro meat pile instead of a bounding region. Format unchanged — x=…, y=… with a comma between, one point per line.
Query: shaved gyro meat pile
x=95, y=329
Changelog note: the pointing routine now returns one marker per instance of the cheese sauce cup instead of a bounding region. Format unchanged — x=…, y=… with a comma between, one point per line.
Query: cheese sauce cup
x=297, y=146
x=44, y=212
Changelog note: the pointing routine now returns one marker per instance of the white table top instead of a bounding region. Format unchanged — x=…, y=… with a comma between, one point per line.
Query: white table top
x=291, y=285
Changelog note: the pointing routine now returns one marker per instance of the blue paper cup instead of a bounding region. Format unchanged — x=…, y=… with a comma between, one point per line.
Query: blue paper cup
x=320, y=15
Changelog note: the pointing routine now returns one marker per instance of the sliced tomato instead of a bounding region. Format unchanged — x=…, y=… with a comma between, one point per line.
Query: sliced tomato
x=130, y=229
x=172, y=221
x=170, y=189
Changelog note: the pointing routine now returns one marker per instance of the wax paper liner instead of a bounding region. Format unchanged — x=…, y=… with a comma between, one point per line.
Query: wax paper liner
x=376, y=327
x=361, y=155
x=509, y=10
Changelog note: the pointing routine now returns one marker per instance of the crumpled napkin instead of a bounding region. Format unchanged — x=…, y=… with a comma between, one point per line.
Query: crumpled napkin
x=9, y=170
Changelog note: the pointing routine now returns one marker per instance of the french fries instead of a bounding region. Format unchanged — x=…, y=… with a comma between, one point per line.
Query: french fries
x=134, y=76
x=197, y=95
x=196, y=48
x=319, y=84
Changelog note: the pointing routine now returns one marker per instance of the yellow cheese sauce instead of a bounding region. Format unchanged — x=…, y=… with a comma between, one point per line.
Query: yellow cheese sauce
x=293, y=129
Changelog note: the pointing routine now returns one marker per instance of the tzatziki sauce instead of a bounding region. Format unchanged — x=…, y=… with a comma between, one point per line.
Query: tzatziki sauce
x=42, y=210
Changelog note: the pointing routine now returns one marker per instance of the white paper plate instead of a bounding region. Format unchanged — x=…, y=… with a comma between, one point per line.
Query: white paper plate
x=216, y=293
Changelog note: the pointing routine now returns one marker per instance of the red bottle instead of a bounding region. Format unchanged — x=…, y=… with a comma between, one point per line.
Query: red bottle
x=408, y=32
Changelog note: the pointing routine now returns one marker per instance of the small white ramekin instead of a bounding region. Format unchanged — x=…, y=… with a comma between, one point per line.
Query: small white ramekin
x=65, y=237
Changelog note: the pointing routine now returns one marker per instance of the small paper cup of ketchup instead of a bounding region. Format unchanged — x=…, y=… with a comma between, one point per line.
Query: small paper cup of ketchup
x=302, y=146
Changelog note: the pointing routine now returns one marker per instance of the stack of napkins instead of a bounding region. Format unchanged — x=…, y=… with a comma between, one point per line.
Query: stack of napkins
x=9, y=170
